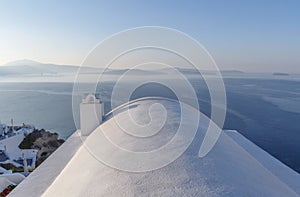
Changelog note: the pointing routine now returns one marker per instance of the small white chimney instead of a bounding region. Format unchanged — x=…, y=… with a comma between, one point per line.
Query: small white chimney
x=25, y=165
x=91, y=113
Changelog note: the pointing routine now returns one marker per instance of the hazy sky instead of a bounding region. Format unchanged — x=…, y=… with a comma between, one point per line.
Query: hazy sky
x=251, y=36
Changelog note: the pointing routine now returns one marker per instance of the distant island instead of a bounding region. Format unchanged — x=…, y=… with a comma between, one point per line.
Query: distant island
x=32, y=68
x=232, y=72
x=281, y=74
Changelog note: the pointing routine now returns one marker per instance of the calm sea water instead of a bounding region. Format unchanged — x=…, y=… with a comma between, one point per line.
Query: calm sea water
x=266, y=111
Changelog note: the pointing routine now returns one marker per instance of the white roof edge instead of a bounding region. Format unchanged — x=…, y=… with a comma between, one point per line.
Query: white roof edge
x=276, y=167
x=43, y=176
x=140, y=99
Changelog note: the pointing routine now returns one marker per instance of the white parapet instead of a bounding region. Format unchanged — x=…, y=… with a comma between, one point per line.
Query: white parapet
x=91, y=114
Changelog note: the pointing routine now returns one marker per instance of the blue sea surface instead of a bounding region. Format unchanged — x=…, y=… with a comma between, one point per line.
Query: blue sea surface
x=266, y=111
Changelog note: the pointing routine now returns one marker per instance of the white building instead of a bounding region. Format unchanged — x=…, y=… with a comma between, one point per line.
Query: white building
x=11, y=153
x=234, y=167
x=10, y=178
x=2, y=129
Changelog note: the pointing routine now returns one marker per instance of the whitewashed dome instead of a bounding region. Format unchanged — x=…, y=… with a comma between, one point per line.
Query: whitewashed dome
x=234, y=167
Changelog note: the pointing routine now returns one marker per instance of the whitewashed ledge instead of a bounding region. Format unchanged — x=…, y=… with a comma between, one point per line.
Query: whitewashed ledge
x=276, y=167
x=48, y=171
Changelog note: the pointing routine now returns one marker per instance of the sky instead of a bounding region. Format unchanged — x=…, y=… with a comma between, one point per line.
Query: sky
x=254, y=36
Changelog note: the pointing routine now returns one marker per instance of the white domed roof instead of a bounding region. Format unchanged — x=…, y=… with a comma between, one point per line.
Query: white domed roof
x=227, y=170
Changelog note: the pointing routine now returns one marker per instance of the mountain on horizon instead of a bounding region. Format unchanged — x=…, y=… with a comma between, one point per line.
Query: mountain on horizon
x=31, y=67
x=22, y=63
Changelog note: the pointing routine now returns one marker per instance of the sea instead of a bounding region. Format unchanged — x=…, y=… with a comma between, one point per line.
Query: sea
x=265, y=109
